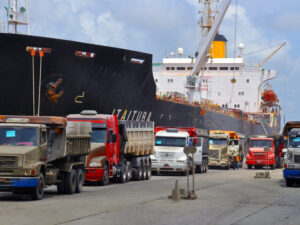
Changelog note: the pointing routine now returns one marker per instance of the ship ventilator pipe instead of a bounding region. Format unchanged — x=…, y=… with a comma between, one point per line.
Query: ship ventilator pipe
x=39, y=102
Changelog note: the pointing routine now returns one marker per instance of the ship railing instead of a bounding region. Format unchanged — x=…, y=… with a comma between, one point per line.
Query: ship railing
x=206, y=104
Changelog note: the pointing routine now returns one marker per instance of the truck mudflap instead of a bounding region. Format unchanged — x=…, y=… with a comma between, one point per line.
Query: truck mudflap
x=291, y=174
x=94, y=174
x=19, y=182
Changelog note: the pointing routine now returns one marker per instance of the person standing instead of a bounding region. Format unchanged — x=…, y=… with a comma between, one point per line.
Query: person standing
x=236, y=160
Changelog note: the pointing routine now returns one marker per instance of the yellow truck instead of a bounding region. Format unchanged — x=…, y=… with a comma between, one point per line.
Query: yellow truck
x=223, y=146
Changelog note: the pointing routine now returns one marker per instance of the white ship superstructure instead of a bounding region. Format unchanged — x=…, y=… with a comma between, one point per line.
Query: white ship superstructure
x=226, y=82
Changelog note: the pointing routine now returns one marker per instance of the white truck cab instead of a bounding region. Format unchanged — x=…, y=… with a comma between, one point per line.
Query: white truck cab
x=168, y=150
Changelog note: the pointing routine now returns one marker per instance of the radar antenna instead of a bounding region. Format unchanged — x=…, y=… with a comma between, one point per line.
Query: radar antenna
x=17, y=15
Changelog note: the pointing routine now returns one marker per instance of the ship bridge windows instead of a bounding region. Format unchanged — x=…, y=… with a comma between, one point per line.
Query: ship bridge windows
x=236, y=105
x=170, y=68
x=170, y=80
x=213, y=68
x=234, y=68
x=180, y=68
x=223, y=68
x=241, y=93
x=190, y=68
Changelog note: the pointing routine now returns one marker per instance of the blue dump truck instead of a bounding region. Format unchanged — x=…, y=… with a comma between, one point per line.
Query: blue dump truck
x=291, y=172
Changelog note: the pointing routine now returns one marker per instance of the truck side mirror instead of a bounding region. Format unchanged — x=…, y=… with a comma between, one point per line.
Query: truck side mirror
x=114, y=138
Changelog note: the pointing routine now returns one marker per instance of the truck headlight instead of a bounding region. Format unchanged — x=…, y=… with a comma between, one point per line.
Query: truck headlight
x=95, y=164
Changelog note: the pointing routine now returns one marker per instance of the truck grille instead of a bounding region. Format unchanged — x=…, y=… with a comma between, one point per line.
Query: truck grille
x=167, y=155
x=7, y=161
x=297, y=158
x=259, y=155
x=214, y=154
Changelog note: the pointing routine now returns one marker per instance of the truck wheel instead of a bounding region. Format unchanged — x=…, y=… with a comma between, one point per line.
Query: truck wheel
x=79, y=180
x=105, y=180
x=148, y=171
x=139, y=173
x=60, y=186
x=198, y=168
x=289, y=182
x=205, y=165
x=129, y=170
x=37, y=193
x=144, y=174
x=70, y=182
x=249, y=167
x=123, y=175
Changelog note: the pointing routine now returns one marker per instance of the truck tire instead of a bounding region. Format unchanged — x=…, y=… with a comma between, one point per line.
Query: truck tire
x=105, y=180
x=129, y=170
x=289, y=182
x=205, y=165
x=70, y=182
x=249, y=167
x=148, y=171
x=198, y=168
x=139, y=173
x=79, y=180
x=123, y=174
x=60, y=185
x=37, y=193
x=144, y=169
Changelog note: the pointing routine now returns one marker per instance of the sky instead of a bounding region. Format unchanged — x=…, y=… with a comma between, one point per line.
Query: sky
x=161, y=26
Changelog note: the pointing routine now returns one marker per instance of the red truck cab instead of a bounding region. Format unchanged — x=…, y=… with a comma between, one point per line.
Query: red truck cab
x=104, y=145
x=257, y=156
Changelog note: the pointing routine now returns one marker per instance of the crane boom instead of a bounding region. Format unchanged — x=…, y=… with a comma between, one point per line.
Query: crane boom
x=270, y=56
x=204, y=46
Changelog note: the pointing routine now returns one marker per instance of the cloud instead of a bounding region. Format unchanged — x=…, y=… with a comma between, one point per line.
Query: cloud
x=288, y=21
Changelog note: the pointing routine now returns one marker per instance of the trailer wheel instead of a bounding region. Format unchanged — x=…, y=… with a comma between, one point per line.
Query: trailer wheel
x=289, y=182
x=129, y=170
x=70, y=182
x=37, y=193
x=144, y=173
x=105, y=180
x=206, y=165
x=79, y=180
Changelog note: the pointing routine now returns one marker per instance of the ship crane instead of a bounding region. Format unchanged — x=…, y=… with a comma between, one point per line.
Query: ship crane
x=259, y=65
x=207, y=41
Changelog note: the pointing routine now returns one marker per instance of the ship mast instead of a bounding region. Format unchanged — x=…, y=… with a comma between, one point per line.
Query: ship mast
x=208, y=11
x=17, y=15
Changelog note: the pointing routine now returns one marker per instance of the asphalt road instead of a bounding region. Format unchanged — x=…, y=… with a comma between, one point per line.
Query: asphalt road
x=224, y=197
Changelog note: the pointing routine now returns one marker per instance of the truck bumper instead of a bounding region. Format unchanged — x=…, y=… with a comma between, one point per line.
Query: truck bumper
x=291, y=174
x=9, y=183
x=259, y=162
x=218, y=163
x=168, y=167
x=94, y=174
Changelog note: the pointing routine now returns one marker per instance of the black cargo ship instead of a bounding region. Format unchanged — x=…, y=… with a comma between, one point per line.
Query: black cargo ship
x=77, y=76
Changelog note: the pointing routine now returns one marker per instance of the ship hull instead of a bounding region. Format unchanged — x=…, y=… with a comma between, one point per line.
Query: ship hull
x=114, y=81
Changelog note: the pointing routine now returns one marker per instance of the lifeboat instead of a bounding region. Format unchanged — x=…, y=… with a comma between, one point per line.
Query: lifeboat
x=269, y=97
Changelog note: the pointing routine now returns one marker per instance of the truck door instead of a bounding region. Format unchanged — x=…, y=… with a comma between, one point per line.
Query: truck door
x=198, y=143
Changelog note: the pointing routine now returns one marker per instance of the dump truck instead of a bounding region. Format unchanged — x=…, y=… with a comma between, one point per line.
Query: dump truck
x=38, y=151
x=120, y=150
x=168, y=150
x=258, y=157
x=291, y=172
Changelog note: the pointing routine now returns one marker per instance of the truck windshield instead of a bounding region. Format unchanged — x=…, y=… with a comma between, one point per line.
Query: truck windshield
x=170, y=141
x=260, y=143
x=294, y=141
x=98, y=135
x=18, y=136
x=217, y=141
